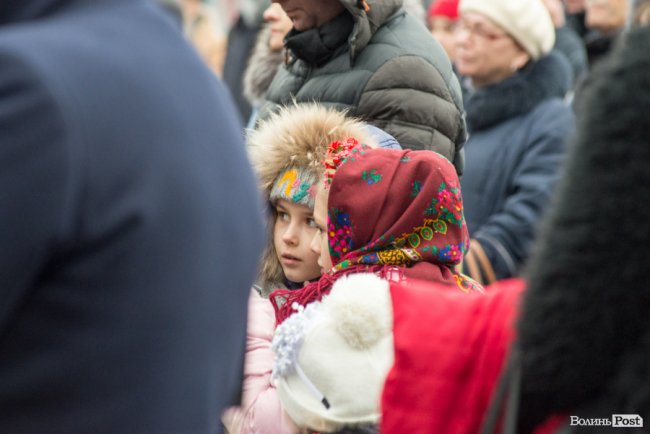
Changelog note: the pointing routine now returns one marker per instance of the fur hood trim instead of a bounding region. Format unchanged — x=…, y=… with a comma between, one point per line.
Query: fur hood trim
x=262, y=67
x=297, y=136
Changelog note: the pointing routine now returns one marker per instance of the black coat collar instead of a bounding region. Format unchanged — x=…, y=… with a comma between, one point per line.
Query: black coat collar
x=318, y=45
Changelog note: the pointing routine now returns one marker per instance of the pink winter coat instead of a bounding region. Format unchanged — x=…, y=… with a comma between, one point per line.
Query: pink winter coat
x=261, y=411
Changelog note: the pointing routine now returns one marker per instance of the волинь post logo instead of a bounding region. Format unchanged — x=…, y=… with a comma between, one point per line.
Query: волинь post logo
x=616, y=421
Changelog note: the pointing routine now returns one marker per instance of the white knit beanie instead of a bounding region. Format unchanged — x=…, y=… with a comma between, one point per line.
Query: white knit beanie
x=527, y=21
x=332, y=357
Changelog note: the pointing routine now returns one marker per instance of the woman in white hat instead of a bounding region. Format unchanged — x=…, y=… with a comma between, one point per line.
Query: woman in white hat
x=518, y=127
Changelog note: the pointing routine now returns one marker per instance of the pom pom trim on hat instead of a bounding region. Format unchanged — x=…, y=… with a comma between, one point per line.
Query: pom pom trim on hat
x=360, y=306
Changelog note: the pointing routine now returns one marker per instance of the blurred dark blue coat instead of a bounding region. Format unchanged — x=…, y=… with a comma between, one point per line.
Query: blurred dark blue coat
x=518, y=135
x=129, y=224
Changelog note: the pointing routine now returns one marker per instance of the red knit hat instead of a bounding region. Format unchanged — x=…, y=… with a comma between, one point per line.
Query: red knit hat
x=444, y=8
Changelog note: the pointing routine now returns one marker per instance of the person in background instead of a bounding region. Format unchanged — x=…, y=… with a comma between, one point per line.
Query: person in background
x=568, y=42
x=379, y=62
x=443, y=18
x=519, y=126
x=204, y=28
x=575, y=16
x=241, y=40
x=266, y=58
x=641, y=15
x=578, y=334
x=606, y=20
x=268, y=54
x=131, y=224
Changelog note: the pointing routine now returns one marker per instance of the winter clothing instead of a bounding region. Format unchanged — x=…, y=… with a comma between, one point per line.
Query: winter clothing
x=519, y=129
x=241, y=40
x=203, y=27
x=295, y=185
x=333, y=356
x=571, y=45
x=382, y=65
x=261, y=411
x=292, y=141
x=295, y=138
x=527, y=21
x=584, y=333
x=262, y=66
x=123, y=281
x=390, y=212
x=444, y=8
x=444, y=375
x=599, y=45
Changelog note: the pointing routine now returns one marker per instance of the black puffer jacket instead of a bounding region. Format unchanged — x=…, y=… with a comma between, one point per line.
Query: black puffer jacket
x=384, y=67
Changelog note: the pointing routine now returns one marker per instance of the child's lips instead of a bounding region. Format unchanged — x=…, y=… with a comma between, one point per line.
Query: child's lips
x=289, y=260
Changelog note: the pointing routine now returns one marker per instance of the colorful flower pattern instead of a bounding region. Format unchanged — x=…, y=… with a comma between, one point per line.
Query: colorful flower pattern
x=339, y=233
x=447, y=205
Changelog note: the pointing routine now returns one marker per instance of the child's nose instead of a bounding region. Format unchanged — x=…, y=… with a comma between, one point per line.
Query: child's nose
x=290, y=236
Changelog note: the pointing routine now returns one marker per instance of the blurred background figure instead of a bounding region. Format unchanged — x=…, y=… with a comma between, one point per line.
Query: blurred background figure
x=207, y=29
x=641, y=13
x=339, y=55
x=442, y=21
x=131, y=224
x=567, y=41
x=605, y=20
x=266, y=58
x=575, y=16
x=242, y=37
x=518, y=127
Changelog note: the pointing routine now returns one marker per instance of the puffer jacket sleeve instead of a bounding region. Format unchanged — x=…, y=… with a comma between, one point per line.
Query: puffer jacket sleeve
x=507, y=235
x=261, y=410
x=417, y=103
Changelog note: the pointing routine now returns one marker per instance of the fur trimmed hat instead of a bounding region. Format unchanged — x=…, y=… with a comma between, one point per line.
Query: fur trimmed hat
x=294, y=142
x=527, y=21
x=332, y=357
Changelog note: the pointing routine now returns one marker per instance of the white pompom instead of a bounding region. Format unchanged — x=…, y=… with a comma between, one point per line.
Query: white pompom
x=361, y=308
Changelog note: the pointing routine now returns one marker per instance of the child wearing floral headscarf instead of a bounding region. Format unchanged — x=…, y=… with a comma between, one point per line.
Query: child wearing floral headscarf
x=287, y=152
x=398, y=214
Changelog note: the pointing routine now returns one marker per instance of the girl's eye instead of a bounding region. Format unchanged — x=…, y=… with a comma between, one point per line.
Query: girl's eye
x=283, y=216
x=312, y=223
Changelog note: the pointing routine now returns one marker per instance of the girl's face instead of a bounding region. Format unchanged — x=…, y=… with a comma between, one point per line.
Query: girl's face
x=320, y=243
x=292, y=234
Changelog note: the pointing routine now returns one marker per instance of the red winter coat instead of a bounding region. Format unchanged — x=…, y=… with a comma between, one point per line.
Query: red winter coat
x=450, y=349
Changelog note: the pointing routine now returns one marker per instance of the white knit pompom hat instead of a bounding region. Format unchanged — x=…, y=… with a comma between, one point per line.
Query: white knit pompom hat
x=527, y=21
x=332, y=357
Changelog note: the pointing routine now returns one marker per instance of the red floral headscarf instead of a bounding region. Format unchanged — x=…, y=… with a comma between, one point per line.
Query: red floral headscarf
x=389, y=212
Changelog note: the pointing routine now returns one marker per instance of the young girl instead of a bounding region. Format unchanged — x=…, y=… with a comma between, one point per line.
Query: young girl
x=287, y=152
x=398, y=214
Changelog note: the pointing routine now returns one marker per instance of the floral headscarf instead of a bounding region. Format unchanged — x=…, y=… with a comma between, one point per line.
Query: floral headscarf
x=389, y=211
